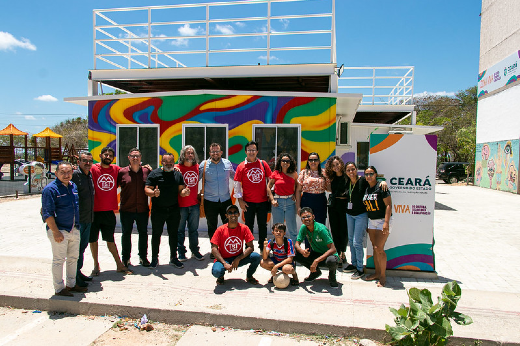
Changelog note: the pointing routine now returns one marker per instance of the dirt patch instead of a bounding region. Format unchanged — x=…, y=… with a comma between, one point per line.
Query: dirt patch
x=127, y=332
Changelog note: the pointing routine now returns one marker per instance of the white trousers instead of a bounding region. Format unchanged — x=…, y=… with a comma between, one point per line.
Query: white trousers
x=67, y=250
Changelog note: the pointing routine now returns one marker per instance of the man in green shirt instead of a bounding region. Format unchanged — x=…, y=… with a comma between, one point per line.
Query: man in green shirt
x=321, y=248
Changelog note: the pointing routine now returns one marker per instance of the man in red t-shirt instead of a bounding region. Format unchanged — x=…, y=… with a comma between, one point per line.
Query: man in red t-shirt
x=227, y=245
x=189, y=206
x=104, y=176
x=251, y=190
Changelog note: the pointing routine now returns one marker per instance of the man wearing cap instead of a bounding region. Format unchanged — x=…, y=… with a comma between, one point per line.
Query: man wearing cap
x=60, y=211
x=164, y=185
x=83, y=180
x=227, y=246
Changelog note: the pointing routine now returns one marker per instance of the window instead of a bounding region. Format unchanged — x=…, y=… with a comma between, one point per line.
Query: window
x=343, y=134
x=362, y=155
x=144, y=137
x=201, y=136
x=276, y=139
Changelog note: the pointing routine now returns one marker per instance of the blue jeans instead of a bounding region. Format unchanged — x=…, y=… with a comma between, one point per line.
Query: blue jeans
x=357, y=227
x=253, y=260
x=286, y=210
x=191, y=216
x=84, y=234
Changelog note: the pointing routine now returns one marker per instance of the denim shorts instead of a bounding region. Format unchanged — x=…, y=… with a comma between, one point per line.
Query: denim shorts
x=378, y=224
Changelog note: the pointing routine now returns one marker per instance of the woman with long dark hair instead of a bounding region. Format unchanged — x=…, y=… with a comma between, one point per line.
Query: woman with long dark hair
x=312, y=187
x=357, y=217
x=378, y=204
x=337, y=204
x=284, y=179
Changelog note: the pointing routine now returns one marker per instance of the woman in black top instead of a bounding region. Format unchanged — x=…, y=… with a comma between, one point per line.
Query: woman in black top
x=337, y=204
x=379, y=208
x=357, y=218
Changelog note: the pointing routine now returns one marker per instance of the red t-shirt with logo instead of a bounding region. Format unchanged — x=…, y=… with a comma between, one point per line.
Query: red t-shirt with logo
x=252, y=175
x=230, y=241
x=191, y=180
x=105, y=187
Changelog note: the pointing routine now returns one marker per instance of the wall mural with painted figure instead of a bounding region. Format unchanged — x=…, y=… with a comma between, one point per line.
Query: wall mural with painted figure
x=496, y=165
x=317, y=117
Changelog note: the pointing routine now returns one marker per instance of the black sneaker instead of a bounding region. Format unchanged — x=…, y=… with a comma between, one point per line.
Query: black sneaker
x=176, y=263
x=349, y=269
x=144, y=262
x=313, y=276
x=80, y=282
x=357, y=275
x=182, y=258
x=197, y=255
x=154, y=263
x=84, y=277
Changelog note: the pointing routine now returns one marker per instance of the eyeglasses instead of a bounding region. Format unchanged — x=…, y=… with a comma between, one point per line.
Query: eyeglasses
x=370, y=174
x=214, y=152
x=251, y=150
x=134, y=156
x=286, y=161
x=313, y=160
x=236, y=212
x=87, y=161
x=306, y=217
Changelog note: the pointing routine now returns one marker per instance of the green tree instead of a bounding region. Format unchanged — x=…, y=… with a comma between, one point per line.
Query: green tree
x=74, y=131
x=458, y=115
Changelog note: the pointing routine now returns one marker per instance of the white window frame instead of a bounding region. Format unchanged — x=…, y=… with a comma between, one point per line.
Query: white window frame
x=204, y=125
x=118, y=126
x=297, y=126
x=338, y=136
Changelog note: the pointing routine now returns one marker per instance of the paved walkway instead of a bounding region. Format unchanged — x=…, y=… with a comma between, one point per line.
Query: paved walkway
x=477, y=243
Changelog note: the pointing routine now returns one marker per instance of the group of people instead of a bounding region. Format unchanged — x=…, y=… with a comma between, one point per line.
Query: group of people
x=80, y=204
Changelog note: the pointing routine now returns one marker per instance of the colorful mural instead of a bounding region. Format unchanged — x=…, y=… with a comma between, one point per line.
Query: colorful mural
x=496, y=165
x=317, y=117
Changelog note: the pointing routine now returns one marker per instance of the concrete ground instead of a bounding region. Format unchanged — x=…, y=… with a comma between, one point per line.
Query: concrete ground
x=477, y=243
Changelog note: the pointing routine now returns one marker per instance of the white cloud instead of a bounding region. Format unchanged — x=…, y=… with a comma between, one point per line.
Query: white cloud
x=46, y=98
x=240, y=24
x=271, y=58
x=9, y=42
x=285, y=22
x=225, y=29
x=29, y=117
x=186, y=30
x=18, y=113
x=180, y=42
x=438, y=93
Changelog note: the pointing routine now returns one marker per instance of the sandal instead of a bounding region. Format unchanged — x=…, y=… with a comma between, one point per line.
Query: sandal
x=125, y=270
x=252, y=280
x=295, y=282
x=220, y=280
x=270, y=280
x=95, y=272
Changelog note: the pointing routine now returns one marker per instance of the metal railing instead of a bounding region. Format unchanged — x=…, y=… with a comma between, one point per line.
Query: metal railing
x=138, y=37
x=376, y=80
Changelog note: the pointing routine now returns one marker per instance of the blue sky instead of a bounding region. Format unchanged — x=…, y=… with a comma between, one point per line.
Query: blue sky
x=46, y=48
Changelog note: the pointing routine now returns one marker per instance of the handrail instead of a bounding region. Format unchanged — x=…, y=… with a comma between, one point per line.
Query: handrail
x=399, y=94
x=111, y=48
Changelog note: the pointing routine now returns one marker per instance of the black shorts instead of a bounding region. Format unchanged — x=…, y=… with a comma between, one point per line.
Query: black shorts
x=104, y=221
